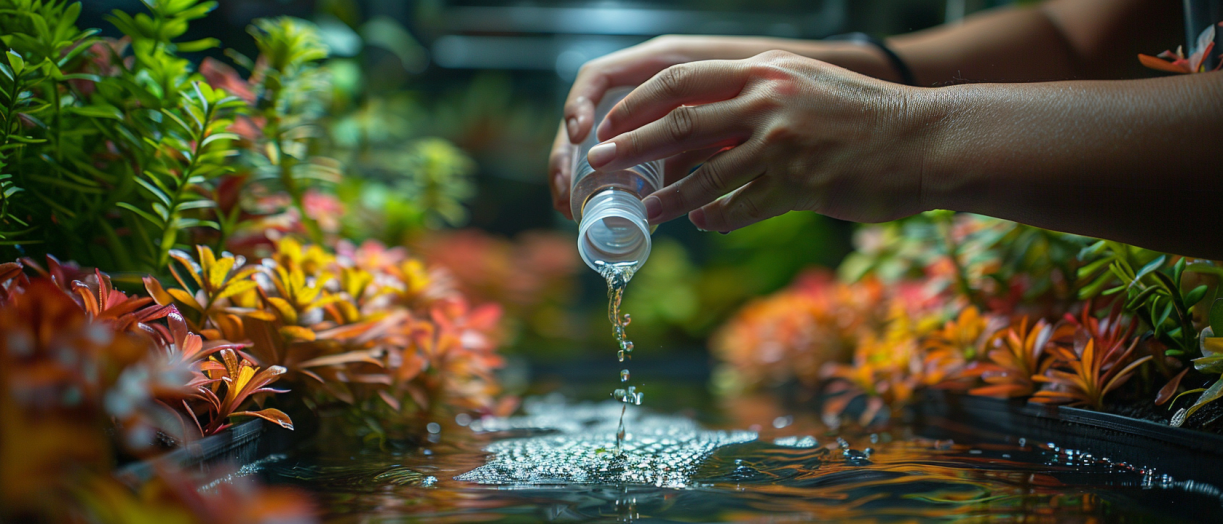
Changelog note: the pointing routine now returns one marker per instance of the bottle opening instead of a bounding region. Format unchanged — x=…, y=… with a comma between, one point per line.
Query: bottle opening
x=613, y=230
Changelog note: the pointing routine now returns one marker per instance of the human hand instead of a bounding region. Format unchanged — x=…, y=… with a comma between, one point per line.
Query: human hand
x=634, y=65
x=789, y=133
x=627, y=67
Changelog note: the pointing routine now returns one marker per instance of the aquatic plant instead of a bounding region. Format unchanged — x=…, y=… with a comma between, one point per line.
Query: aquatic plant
x=361, y=327
x=1015, y=356
x=1210, y=363
x=1091, y=357
x=947, y=350
x=794, y=333
x=1177, y=62
x=885, y=369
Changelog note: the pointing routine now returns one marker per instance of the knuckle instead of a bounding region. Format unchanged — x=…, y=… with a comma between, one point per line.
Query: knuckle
x=750, y=209
x=780, y=133
x=663, y=40
x=671, y=81
x=712, y=179
x=681, y=123
x=773, y=56
x=634, y=145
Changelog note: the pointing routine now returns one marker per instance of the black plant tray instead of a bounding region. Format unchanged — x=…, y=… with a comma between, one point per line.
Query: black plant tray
x=1185, y=454
x=239, y=445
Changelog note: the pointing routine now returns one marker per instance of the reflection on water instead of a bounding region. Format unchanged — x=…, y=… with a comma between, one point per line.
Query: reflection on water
x=663, y=451
x=548, y=466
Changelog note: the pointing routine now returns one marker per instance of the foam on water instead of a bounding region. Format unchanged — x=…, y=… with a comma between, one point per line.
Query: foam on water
x=661, y=451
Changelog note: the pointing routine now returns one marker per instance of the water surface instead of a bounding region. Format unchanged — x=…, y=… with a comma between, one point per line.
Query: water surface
x=558, y=463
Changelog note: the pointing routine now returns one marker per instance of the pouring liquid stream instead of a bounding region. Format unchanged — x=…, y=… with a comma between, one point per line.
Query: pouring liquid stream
x=617, y=277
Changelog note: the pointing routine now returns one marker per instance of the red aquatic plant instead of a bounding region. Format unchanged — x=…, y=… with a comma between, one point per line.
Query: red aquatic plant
x=1084, y=375
x=240, y=379
x=1015, y=356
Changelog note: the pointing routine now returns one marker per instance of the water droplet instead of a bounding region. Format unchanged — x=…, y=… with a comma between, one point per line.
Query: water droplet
x=624, y=375
x=620, y=355
x=627, y=320
x=619, y=394
x=781, y=422
x=433, y=427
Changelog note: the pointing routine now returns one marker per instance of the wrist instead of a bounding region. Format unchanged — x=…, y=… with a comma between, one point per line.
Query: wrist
x=877, y=56
x=933, y=121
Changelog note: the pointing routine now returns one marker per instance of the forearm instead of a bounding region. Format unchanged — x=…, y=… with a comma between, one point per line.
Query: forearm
x=1135, y=161
x=1057, y=40
x=849, y=55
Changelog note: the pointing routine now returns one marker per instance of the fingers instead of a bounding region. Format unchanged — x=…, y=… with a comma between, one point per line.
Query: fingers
x=686, y=128
x=681, y=165
x=760, y=199
x=718, y=176
x=560, y=163
x=684, y=84
x=625, y=68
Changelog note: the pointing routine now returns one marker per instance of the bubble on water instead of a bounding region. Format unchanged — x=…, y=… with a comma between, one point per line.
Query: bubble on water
x=662, y=451
x=428, y=482
x=796, y=442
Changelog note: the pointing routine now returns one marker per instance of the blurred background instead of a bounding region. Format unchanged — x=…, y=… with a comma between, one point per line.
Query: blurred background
x=443, y=112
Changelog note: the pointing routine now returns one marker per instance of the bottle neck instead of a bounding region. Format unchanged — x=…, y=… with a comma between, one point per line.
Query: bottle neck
x=614, y=230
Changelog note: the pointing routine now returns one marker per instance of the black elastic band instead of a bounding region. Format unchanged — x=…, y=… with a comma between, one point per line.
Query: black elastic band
x=902, y=69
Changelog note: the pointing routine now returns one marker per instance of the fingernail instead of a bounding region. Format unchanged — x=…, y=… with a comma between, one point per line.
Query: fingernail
x=572, y=124
x=697, y=217
x=653, y=208
x=601, y=154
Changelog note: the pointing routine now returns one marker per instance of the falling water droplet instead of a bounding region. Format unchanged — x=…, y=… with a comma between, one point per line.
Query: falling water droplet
x=624, y=375
x=627, y=320
x=620, y=355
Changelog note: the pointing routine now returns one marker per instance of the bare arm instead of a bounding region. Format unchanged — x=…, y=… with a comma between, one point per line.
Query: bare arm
x=1056, y=40
x=1136, y=161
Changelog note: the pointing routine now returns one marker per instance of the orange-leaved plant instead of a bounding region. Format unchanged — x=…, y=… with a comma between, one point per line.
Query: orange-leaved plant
x=1178, y=63
x=1016, y=355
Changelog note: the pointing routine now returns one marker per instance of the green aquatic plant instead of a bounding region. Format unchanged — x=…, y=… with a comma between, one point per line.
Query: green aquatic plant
x=1210, y=363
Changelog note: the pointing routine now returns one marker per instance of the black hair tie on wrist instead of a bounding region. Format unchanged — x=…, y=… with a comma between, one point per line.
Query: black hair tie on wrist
x=898, y=64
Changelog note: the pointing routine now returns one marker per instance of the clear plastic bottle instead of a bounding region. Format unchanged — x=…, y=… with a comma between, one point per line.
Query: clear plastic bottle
x=612, y=225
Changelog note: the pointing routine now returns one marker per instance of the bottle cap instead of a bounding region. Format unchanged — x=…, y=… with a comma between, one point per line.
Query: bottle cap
x=614, y=229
